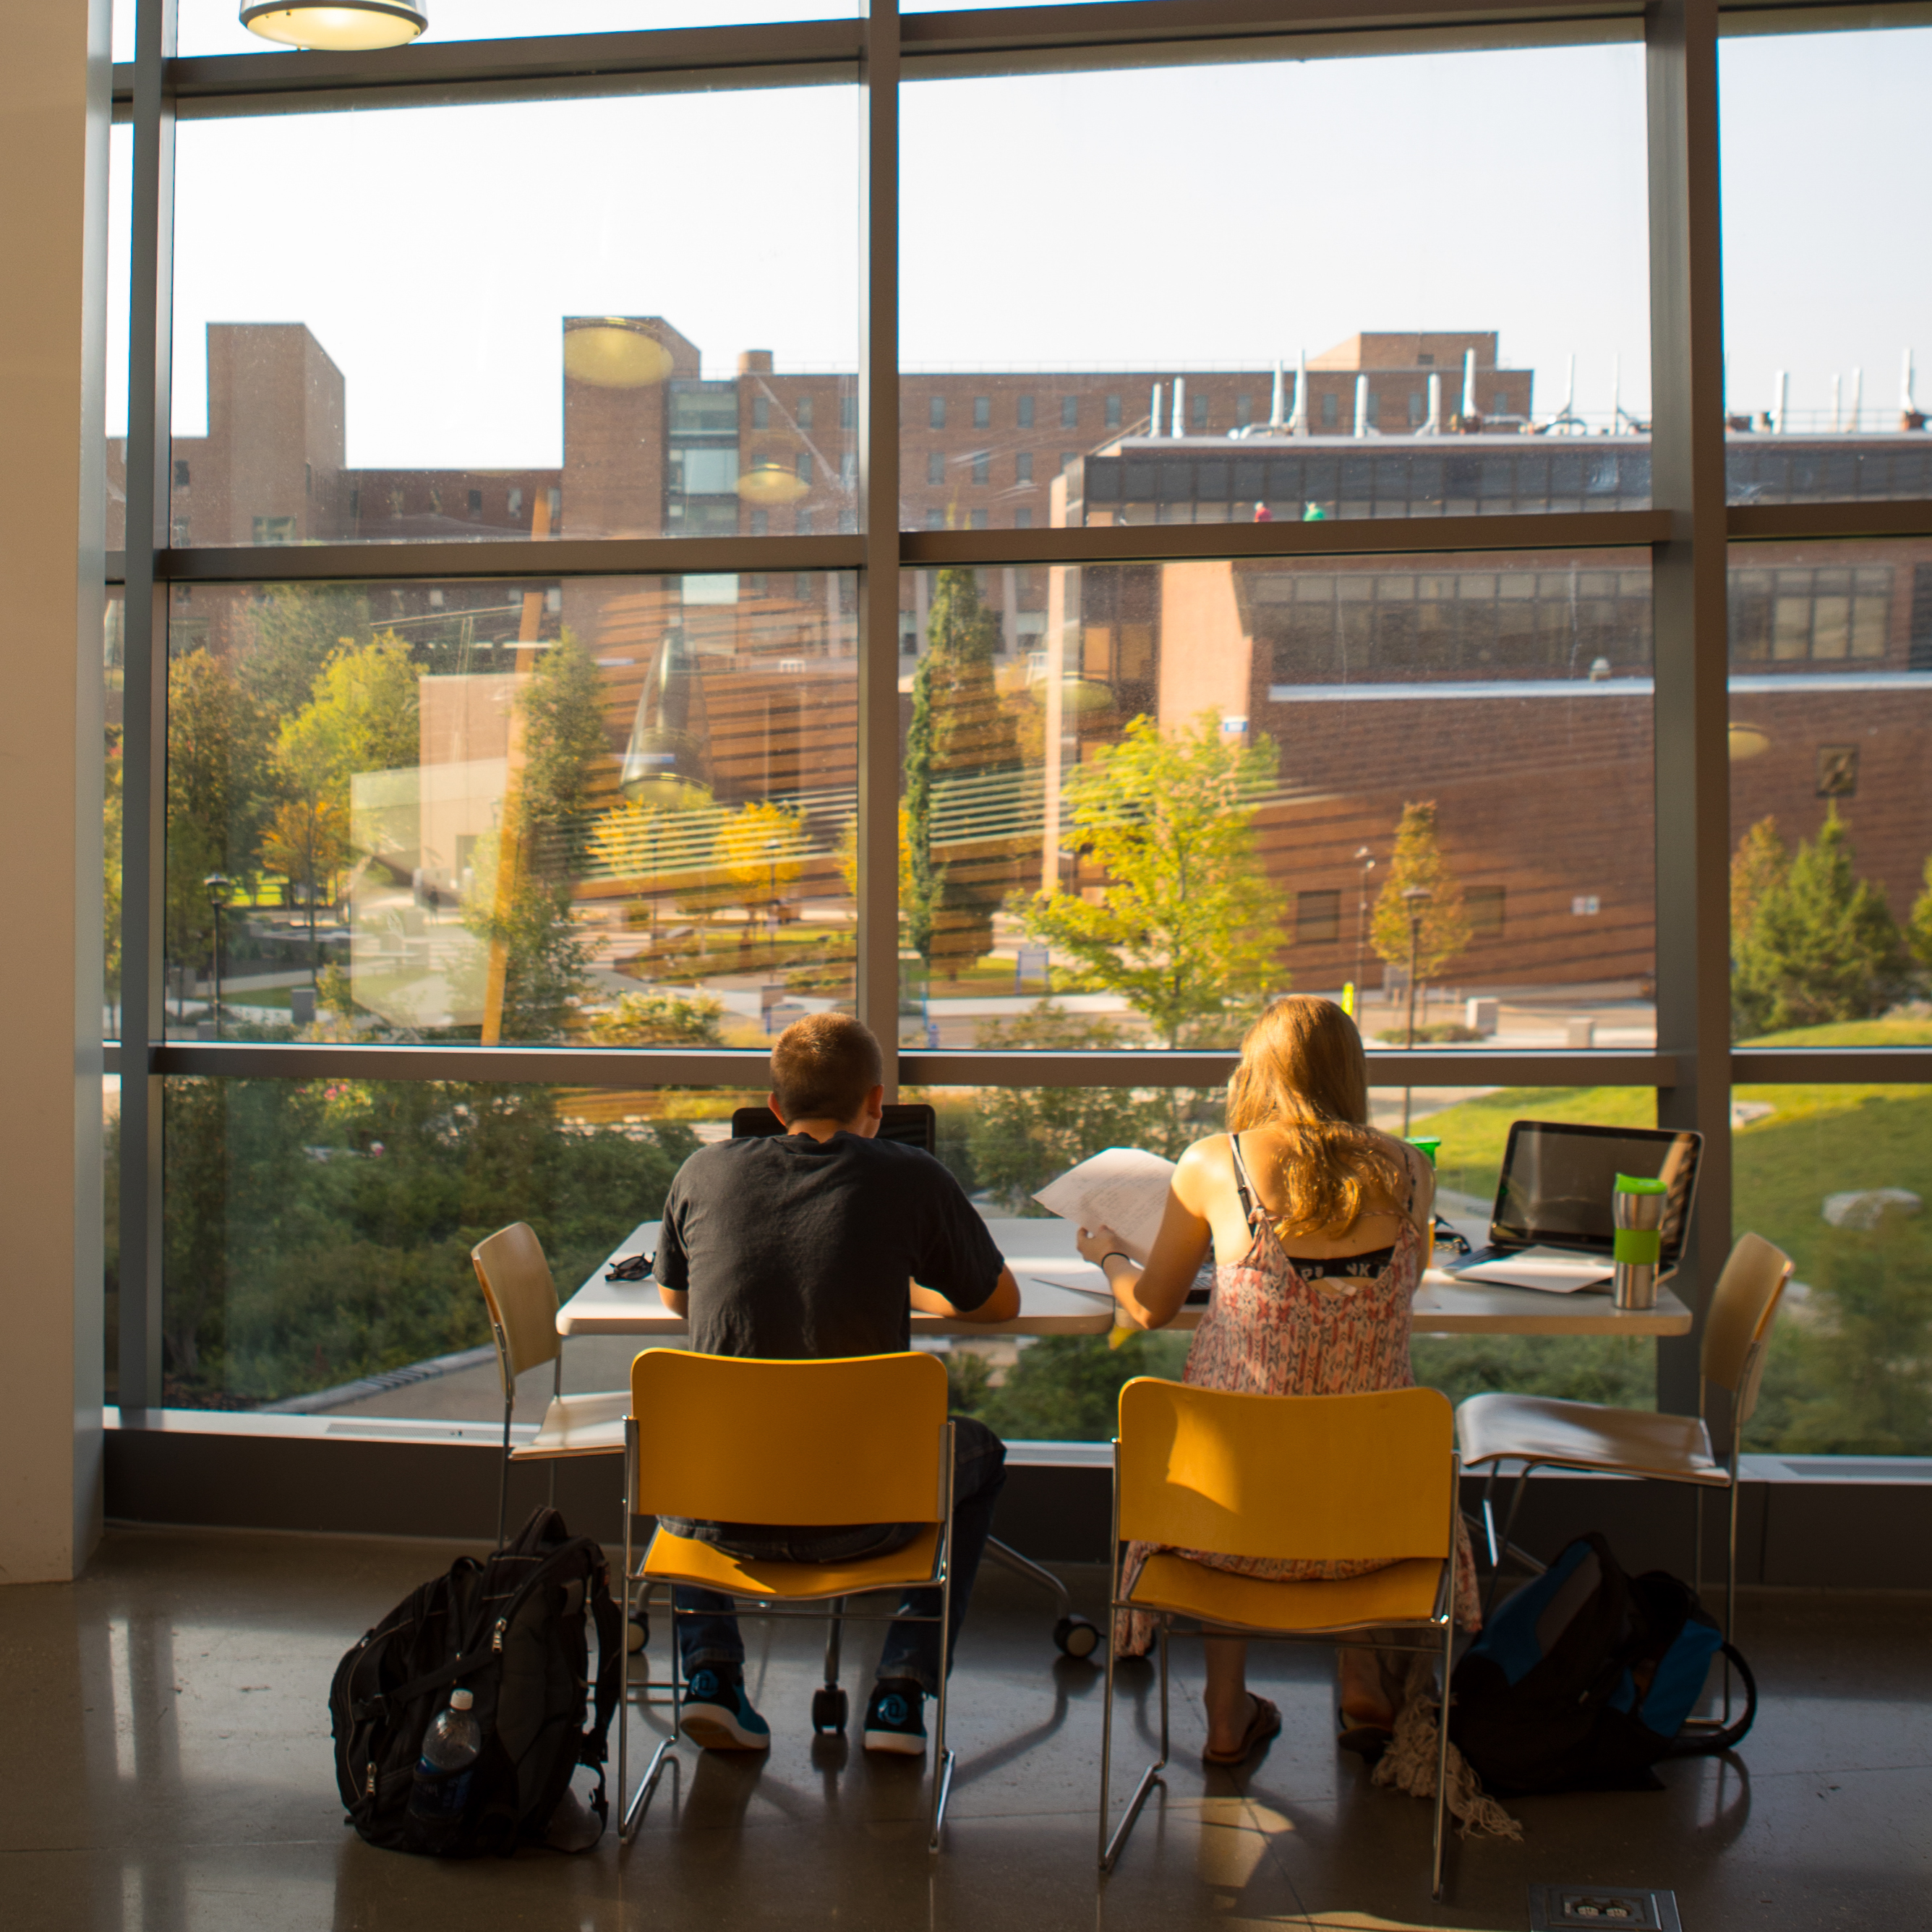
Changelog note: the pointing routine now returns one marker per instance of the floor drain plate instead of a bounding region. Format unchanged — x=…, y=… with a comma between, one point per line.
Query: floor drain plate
x=1558, y=1908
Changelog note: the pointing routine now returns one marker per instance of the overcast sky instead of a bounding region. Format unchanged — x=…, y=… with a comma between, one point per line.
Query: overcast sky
x=1172, y=219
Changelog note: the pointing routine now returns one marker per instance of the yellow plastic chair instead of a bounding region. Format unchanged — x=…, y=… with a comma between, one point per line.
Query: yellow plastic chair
x=521, y=1298
x=1369, y=1477
x=1540, y=1433
x=860, y=1439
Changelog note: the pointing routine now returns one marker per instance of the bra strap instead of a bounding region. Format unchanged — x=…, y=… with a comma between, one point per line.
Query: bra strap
x=1248, y=1207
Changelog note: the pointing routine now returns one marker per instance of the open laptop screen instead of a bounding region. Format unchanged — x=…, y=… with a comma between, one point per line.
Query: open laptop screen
x=911, y=1121
x=1558, y=1176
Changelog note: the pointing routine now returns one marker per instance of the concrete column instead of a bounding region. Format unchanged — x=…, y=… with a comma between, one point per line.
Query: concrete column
x=54, y=100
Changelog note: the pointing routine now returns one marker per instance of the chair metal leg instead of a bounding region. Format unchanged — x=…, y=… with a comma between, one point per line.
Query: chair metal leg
x=1490, y=1518
x=1010, y=1558
x=1442, y=1755
x=634, y=1811
x=1106, y=1745
x=835, y=1628
x=503, y=1475
x=942, y=1762
x=1731, y=1582
x=1111, y=1848
x=1697, y=1543
x=1509, y=1525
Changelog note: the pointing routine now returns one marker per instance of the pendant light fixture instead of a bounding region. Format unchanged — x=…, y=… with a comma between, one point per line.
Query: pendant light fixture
x=769, y=483
x=346, y=26
x=612, y=352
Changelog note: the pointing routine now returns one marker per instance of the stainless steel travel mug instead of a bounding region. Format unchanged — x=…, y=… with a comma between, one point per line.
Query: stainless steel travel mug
x=1636, y=1211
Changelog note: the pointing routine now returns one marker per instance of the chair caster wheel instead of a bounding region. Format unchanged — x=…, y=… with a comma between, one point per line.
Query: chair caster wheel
x=1076, y=1636
x=637, y=1633
x=828, y=1711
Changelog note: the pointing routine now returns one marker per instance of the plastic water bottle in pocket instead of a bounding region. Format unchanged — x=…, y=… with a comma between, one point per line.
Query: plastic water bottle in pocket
x=450, y=1749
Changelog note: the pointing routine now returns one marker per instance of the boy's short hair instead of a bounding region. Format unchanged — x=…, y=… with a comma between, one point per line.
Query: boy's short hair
x=823, y=1067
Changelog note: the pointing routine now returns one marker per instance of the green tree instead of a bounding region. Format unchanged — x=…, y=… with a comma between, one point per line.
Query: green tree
x=960, y=725
x=1918, y=928
x=1758, y=869
x=110, y=864
x=292, y=633
x=1187, y=927
x=1419, y=860
x=362, y=715
x=218, y=790
x=1066, y=1388
x=1822, y=946
x=660, y=1019
x=521, y=904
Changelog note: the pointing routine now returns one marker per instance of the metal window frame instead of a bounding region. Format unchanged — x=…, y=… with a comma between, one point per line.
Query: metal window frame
x=1687, y=532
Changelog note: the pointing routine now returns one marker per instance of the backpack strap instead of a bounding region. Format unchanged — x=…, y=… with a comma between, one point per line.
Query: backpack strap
x=1711, y=1744
x=613, y=1652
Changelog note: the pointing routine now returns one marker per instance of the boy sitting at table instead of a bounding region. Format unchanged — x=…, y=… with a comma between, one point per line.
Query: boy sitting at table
x=813, y=1244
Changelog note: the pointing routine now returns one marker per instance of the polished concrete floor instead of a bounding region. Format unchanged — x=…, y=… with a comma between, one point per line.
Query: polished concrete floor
x=168, y=1766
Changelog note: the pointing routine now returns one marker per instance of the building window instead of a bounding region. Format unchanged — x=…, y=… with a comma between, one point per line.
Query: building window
x=848, y=411
x=275, y=529
x=983, y=411
x=1197, y=410
x=802, y=524
x=804, y=413
x=1318, y=918
x=1417, y=403
x=1070, y=412
x=761, y=412
x=355, y=504
x=761, y=522
x=1499, y=404
x=936, y=412
x=181, y=473
x=848, y=468
x=1024, y=414
x=935, y=519
x=1483, y=905
x=1374, y=406
x=1244, y=410
x=976, y=520
x=476, y=502
x=805, y=465
x=1023, y=466
x=935, y=468
x=1068, y=457
x=308, y=479
x=1331, y=412
x=983, y=467
x=553, y=598
x=1821, y=615
x=801, y=586
x=556, y=496
x=1113, y=413
x=1022, y=519
x=516, y=502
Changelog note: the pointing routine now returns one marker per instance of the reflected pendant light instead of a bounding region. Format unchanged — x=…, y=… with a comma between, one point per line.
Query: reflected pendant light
x=347, y=26
x=1746, y=741
x=1079, y=693
x=770, y=483
x=612, y=352
x=666, y=762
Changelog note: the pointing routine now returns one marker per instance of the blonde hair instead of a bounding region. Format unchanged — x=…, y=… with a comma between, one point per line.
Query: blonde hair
x=1302, y=1074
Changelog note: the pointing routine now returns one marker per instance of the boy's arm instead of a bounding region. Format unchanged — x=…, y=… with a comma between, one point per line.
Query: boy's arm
x=1002, y=1305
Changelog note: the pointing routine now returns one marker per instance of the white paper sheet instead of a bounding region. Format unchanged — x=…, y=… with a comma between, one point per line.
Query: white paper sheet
x=1551, y=1270
x=1124, y=1189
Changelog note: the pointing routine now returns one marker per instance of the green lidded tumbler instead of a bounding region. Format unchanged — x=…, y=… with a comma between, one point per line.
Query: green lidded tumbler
x=1636, y=1211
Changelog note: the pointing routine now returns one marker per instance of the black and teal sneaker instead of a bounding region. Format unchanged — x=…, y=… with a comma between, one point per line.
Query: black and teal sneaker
x=718, y=1715
x=895, y=1718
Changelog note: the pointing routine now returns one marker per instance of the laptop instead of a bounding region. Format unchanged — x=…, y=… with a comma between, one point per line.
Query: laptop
x=912, y=1121
x=1558, y=1176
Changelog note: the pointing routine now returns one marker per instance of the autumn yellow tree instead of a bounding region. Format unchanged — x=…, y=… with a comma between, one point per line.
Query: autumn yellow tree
x=1442, y=930
x=762, y=847
x=635, y=839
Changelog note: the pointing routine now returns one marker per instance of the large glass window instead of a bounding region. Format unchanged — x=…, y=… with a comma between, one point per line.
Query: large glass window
x=1823, y=399
x=1138, y=799
x=1830, y=717
x=606, y=811
x=1171, y=310
x=368, y=375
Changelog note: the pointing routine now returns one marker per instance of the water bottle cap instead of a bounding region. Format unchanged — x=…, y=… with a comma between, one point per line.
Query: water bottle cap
x=461, y=1700
x=1630, y=1184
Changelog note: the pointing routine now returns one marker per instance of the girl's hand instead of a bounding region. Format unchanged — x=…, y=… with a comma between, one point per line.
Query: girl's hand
x=1094, y=1242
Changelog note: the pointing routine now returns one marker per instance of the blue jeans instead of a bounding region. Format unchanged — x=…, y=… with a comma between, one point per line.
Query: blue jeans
x=707, y=1632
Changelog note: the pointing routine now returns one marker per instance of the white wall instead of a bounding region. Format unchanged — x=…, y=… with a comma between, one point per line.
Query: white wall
x=54, y=87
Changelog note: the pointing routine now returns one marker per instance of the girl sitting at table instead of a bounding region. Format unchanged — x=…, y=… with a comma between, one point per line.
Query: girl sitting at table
x=1320, y=1225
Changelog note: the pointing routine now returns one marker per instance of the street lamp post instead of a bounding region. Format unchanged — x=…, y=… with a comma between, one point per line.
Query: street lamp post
x=1416, y=898
x=1366, y=859
x=216, y=885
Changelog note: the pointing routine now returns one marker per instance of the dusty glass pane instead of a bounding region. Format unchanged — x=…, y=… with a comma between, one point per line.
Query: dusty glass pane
x=1831, y=708
x=630, y=371
x=318, y=1232
x=1836, y=1176
x=611, y=811
x=1139, y=799
x=1824, y=402
x=1358, y=361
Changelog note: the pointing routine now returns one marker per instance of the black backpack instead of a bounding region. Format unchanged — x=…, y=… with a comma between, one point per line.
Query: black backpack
x=512, y=1630
x=1582, y=1680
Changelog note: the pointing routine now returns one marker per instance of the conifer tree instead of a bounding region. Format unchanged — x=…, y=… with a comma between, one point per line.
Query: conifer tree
x=1419, y=860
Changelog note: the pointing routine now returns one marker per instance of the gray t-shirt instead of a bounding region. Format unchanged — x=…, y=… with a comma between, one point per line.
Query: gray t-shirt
x=792, y=1248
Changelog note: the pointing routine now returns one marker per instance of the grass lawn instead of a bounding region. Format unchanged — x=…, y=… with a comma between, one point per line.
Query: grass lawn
x=1474, y=1132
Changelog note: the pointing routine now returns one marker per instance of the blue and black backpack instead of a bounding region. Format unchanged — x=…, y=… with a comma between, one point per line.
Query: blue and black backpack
x=1582, y=1680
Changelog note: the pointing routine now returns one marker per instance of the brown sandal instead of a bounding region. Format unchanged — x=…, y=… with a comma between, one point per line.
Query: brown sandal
x=1263, y=1723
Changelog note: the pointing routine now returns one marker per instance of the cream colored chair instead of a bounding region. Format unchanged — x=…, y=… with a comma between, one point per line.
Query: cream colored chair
x=1369, y=1477
x=1540, y=1432
x=857, y=1439
x=521, y=1298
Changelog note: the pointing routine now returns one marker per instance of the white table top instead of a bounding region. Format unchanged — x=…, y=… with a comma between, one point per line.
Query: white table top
x=1037, y=1249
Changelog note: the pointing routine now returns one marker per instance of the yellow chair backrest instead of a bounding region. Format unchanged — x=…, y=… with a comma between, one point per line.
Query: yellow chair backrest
x=521, y=1298
x=724, y=1438
x=1337, y=1476
x=1737, y=1323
